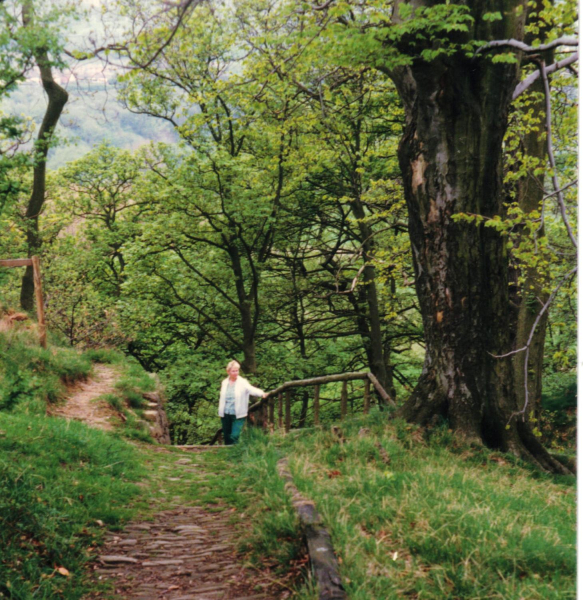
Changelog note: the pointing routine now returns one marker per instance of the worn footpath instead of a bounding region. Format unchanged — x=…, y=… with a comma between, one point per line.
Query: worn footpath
x=184, y=553
x=179, y=551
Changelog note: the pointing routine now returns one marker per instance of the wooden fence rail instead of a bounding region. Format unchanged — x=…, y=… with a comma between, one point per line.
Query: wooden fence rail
x=266, y=406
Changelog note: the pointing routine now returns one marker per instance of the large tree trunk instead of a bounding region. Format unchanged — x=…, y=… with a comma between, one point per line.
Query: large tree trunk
x=451, y=156
x=57, y=98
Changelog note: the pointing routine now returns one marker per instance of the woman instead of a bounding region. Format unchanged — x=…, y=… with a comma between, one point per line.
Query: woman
x=234, y=402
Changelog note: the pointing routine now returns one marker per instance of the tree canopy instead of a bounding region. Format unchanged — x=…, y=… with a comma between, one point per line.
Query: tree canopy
x=356, y=185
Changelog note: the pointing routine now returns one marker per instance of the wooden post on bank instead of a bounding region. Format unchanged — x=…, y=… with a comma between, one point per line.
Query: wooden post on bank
x=343, y=399
x=316, y=405
x=33, y=262
x=280, y=409
x=287, y=410
x=40, y=309
x=366, y=396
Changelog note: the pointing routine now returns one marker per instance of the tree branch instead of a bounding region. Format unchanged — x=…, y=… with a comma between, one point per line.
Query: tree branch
x=526, y=348
x=558, y=192
x=512, y=43
x=526, y=83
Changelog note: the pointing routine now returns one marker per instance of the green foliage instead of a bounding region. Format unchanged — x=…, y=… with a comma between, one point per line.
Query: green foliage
x=113, y=400
x=52, y=502
x=247, y=239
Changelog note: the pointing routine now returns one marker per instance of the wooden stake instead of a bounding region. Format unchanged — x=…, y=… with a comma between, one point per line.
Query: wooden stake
x=264, y=415
x=343, y=400
x=271, y=406
x=366, y=396
x=316, y=404
x=40, y=309
x=287, y=410
x=280, y=410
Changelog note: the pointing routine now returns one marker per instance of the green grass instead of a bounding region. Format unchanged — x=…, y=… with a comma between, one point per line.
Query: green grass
x=62, y=484
x=107, y=356
x=423, y=518
x=31, y=377
x=114, y=401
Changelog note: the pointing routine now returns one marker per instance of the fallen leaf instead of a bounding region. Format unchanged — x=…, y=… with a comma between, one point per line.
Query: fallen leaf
x=332, y=474
x=63, y=571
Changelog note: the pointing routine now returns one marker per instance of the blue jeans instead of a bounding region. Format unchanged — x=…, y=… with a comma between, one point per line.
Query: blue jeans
x=232, y=428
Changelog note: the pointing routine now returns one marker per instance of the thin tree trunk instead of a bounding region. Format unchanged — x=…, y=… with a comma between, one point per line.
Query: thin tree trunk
x=57, y=98
x=246, y=312
x=304, y=411
x=530, y=194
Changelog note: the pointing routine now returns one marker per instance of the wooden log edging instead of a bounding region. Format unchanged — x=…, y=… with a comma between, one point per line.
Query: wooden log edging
x=322, y=557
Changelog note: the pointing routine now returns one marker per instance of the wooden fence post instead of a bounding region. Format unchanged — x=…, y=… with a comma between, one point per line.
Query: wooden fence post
x=280, y=410
x=271, y=407
x=366, y=396
x=316, y=405
x=287, y=410
x=38, y=291
x=343, y=399
x=40, y=309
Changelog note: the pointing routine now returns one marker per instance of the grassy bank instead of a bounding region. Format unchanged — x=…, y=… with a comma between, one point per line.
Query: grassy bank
x=409, y=517
x=61, y=483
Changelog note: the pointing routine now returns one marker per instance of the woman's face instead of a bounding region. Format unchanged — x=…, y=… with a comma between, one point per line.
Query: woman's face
x=234, y=372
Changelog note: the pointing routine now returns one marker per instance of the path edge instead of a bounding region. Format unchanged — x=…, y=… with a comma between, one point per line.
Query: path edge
x=323, y=561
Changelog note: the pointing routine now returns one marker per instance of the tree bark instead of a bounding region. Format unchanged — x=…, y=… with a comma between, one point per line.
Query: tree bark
x=374, y=342
x=57, y=98
x=451, y=158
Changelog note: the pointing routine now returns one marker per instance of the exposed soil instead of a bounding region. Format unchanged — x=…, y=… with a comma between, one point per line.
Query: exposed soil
x=82, y=403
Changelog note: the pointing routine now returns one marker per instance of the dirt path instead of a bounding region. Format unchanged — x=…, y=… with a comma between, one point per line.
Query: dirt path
x=81, y=405
x=185, y=552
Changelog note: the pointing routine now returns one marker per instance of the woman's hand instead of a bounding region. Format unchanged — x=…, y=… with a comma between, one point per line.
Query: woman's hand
x=264, y=395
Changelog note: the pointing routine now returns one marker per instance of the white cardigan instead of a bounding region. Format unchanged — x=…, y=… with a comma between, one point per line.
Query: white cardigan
x=243, y=389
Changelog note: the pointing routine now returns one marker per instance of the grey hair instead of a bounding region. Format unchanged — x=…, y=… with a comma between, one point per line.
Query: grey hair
x=232, y=364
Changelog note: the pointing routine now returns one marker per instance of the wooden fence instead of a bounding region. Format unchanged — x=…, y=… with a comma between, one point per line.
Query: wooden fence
x=33, y=262
x=281, y=398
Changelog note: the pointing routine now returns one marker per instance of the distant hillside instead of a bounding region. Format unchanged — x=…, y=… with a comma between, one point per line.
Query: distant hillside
x=90, y=117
